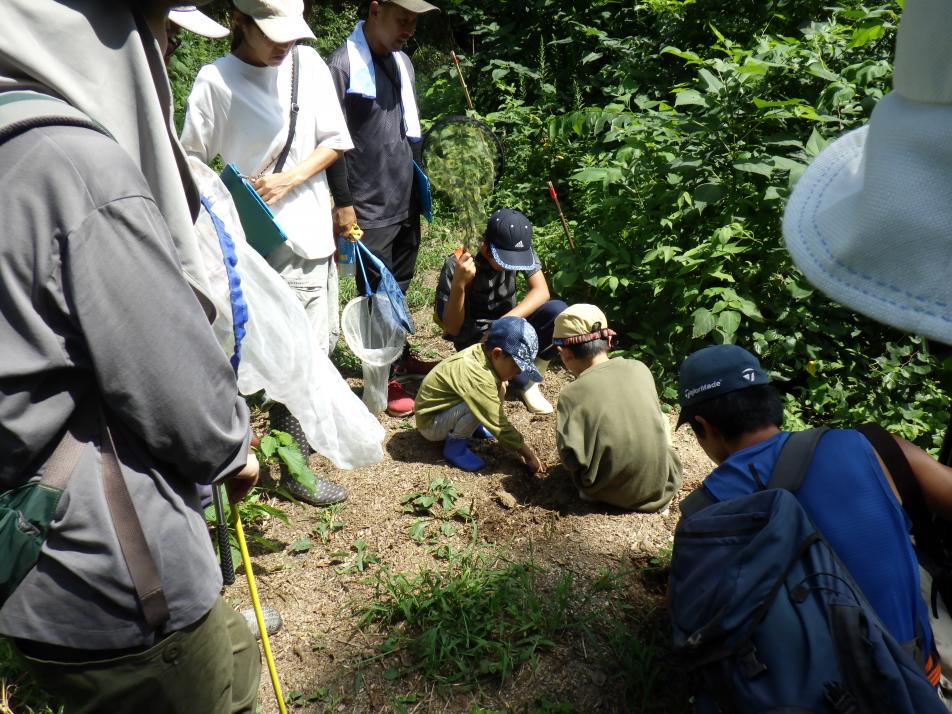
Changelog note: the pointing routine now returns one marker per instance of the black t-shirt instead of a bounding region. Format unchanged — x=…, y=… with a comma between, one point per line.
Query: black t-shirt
x=490, y=296
x=376, y=177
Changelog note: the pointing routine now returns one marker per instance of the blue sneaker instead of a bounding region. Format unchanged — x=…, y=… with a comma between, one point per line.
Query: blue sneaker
x=483, y=433
x=457, y=452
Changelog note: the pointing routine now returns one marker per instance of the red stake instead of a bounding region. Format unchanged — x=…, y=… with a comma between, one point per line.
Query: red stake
x=558, y=207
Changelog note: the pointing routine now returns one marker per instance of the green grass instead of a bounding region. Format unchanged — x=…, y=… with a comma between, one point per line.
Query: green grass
x=19, y=694
x=480, y=618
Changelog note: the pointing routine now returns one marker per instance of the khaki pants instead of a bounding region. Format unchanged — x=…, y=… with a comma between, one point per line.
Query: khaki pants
x=210, y=667
x=315, y=284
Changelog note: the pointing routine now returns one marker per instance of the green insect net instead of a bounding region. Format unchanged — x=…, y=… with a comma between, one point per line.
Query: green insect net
x=464, y=159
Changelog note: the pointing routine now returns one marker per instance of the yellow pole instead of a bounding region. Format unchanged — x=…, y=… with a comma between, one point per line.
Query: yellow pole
x=265, y=643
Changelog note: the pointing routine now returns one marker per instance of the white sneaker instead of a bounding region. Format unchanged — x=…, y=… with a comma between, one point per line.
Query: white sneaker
x=535, y=402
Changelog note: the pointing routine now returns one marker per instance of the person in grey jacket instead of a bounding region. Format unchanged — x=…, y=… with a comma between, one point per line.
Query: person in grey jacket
x=101, y=304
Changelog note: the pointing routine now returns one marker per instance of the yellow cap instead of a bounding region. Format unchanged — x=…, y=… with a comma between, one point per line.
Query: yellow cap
x=580, y=319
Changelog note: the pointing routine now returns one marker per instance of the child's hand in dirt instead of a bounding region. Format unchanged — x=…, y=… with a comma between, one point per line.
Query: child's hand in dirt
x=531, y=460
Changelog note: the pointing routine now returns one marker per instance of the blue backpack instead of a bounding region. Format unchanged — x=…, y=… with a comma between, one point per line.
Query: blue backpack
x=767, y=618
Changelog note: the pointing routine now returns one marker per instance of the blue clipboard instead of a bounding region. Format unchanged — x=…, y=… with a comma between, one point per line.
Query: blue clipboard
x=424, y=192
x=257, y=220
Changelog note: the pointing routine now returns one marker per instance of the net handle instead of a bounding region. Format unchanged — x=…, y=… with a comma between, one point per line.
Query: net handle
x=363, y=271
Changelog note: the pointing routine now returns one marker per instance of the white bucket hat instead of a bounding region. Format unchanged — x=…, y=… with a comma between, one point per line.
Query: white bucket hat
x=194, y=20
x=870, y=221
x=280, y=20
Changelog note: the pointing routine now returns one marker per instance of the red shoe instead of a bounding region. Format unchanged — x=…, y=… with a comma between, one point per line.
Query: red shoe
x=399, y=401
x=412, y=365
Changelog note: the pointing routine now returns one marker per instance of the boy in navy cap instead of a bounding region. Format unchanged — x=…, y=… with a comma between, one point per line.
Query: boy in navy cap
x=462, y=396
x=473, y=291
x=736, y=416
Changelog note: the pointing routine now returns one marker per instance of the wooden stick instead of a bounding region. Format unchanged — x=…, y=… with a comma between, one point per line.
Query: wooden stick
x=558, y=207
x=459, y=71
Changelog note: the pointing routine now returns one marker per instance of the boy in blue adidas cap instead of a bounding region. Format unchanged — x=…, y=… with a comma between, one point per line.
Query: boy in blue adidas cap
x=475, y=290
x=462, y=396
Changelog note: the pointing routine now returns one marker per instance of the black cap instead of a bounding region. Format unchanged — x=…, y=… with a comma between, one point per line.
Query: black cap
x=509, y=235
x=716, y=370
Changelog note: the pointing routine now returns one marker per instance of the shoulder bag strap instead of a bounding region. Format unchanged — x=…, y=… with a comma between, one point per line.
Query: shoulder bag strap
x=910, y=492
x=22, y=110
x=794, y=460
x=695, y=501
x=135, y=549
x=279, y=166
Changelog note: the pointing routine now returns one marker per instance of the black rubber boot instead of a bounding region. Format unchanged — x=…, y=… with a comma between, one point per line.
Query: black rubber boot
x=324, y=492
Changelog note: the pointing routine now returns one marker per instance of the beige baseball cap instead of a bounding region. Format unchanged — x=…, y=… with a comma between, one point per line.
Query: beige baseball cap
x=194, y=20
x=417, y=6
x=580, y=319
x=280, y=20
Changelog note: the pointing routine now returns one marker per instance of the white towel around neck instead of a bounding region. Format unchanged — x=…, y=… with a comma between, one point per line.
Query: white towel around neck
x=364, y=82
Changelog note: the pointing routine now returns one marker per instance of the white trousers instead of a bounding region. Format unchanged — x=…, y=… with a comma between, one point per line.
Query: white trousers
x=314, y=281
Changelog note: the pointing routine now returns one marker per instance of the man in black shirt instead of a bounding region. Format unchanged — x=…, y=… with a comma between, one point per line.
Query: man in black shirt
x=374, y=185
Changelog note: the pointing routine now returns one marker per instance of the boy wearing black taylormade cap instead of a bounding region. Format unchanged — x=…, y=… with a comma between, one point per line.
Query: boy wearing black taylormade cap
x=474, y=291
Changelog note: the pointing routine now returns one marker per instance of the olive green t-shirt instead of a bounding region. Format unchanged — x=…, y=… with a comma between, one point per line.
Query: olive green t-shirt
x=467, y=377
x=613, y=438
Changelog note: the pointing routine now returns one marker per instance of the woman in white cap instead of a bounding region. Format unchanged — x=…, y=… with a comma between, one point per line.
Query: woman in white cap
x=240, y=109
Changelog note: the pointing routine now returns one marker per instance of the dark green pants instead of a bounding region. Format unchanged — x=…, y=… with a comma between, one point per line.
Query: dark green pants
x=210, y=667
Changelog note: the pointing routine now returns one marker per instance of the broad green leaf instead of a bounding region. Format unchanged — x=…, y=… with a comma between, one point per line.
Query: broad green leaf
x=818, y=70
x=297, y=466
x=605, y=174
x=687, y=97
x=755, y=167
x=703, y=322
x=772, y=104
x=690, y=56
x=750, y=309
x=418, y=531
x=727, y=323
x=301, y=546
x=866, y=33
x=267, y=446
x=709, y=81
x=591, y=57
x=708, y=193
x=815, y=144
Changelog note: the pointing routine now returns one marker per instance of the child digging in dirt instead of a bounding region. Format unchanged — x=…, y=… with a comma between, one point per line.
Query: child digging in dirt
x=610, y=432
x=462, y=397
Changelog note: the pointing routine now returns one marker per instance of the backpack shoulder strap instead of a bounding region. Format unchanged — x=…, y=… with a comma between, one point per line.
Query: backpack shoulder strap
x=910, y=492
x=695, y=501
x=794, y=460
x=22, y=110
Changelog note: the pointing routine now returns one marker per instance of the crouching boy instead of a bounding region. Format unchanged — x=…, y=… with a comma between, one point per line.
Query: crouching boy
x=463, y=396
x=475, y=290
x=610, y=432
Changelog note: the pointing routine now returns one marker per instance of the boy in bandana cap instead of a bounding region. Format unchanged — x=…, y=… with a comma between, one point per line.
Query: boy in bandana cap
x=462, y=396
x=610, y=432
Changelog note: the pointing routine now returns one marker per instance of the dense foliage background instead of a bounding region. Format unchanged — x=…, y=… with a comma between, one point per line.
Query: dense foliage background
x=673, y=130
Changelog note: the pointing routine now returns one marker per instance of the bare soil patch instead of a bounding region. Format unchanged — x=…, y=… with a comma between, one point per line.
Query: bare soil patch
x=327, y=664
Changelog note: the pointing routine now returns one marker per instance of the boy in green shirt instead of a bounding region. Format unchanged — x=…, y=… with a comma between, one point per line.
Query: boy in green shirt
x=610, y=432
x=462, y=396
